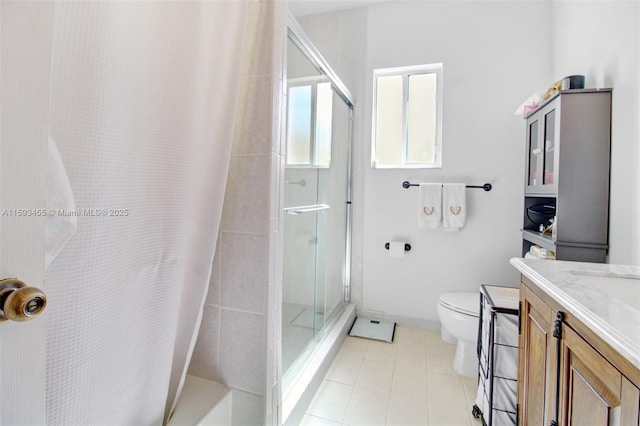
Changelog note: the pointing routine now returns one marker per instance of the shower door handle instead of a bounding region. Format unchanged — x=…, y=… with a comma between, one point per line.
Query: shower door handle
x=19, y=302
x=306, y=209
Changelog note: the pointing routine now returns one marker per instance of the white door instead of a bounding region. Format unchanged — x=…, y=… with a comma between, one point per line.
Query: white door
x=25, y=53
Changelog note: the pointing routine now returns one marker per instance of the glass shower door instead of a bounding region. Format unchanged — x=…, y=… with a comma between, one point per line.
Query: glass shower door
x=300, y=318
x=316, y=209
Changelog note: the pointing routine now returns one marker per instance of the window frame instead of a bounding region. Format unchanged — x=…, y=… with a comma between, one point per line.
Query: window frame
x=405, y=73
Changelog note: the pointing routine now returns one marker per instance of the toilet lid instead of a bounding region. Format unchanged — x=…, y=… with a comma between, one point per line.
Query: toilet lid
x=465, y=303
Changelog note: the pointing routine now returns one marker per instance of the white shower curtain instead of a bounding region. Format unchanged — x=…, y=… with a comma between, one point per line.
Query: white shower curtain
x=142, y=109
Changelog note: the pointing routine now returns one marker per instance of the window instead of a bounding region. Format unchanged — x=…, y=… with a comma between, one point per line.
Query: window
x=407, y=117
x=309, y=123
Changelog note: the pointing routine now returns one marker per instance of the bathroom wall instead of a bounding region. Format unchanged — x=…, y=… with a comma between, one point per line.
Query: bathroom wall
x=495, y=54
x=601, y=40
x=238, y=344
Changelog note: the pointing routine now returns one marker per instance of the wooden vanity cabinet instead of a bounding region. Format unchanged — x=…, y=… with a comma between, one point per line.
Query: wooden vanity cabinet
x=536, y=361
x=630, y=413
x=591, y=390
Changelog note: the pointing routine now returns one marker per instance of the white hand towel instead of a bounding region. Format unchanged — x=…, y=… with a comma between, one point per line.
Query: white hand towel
x=430, y=206
x=60, y=224
x=454, y=206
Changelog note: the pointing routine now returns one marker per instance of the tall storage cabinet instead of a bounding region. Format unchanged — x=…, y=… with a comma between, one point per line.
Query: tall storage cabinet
x=567, y=168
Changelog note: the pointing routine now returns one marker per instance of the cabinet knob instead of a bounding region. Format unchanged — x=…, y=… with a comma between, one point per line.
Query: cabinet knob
x=19, y=302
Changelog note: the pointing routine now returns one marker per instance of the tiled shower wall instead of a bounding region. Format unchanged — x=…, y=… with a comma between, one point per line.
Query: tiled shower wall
x=239, y=339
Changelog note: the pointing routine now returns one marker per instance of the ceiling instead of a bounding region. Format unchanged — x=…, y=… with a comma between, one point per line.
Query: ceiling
x=312, y=7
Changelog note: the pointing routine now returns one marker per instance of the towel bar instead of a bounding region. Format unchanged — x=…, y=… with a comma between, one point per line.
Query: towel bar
x=306, y=209
x=487, y=186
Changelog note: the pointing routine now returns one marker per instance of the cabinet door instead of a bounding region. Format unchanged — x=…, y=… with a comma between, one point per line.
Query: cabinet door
x=549, y=147
x=537, y=361
x=534, y=171
x=591, y=389
x=542, y=150
x=630, y=400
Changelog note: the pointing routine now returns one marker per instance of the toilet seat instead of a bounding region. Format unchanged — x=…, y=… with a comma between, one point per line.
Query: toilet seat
x=464, y=303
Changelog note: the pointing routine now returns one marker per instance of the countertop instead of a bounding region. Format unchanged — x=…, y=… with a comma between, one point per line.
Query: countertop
x=604, y=297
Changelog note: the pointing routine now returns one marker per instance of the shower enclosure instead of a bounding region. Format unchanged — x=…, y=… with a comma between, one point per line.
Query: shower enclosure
x=317, y=202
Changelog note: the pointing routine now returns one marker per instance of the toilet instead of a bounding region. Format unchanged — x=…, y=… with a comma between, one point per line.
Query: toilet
x=459, y=313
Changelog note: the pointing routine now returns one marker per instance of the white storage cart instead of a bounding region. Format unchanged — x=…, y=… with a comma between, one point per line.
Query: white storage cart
x=496, y=401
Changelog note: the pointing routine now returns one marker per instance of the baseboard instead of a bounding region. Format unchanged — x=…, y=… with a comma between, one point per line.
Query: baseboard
x=401, y=320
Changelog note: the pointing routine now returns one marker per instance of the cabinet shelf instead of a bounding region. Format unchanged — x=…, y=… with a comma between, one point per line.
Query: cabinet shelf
x=543, y=241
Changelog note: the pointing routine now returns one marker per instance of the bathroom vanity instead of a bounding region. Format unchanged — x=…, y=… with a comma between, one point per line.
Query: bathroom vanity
x=579, y=330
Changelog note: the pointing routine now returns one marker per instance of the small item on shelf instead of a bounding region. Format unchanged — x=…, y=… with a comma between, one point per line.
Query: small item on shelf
x=575, y=81
x=541, y=214
x=537, y=98
x=542, y=253
x=555, y=88
x=569, y=82
x=531, y=103
x=549, y=230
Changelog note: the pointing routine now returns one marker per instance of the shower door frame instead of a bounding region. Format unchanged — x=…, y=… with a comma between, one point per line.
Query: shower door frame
x=298, y=37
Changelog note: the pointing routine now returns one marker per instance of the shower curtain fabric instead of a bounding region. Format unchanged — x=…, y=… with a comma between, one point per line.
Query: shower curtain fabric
x=142, y=109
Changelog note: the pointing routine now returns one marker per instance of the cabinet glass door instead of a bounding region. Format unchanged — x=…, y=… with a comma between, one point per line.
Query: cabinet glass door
x=542, y=145
x=533, y=174
x=549, y=147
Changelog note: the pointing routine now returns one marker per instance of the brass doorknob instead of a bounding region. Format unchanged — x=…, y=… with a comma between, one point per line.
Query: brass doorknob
x=19, y=302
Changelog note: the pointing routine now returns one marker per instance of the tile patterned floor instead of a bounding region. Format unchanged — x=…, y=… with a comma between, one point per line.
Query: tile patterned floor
x=408, y=382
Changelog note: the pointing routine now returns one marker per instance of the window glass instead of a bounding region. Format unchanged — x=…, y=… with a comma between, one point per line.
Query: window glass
x=324, y=115
x=407, y=117
x=388, y=120
x=309, y=123
x=421, y=119
x=299, y=125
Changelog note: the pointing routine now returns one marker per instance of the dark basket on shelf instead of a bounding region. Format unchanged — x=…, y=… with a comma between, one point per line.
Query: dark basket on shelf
x=541, y=214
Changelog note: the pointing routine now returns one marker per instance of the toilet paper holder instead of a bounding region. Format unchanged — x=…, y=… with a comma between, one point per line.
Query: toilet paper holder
x=407, y=246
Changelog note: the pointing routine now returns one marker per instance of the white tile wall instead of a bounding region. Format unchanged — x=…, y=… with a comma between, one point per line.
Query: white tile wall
x=213, y=295
x=241, y=350
x=247, y=197
x=239, y=337
x=244, y=268
x=256, y=122
x=204, y=362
